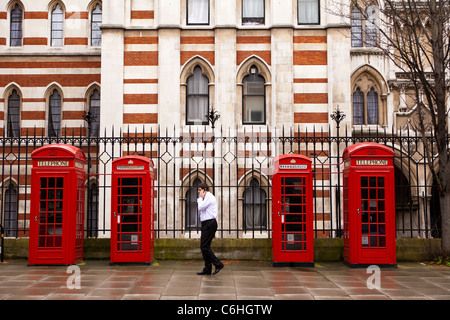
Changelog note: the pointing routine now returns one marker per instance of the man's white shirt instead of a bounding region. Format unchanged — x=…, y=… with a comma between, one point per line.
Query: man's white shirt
x=207, y=207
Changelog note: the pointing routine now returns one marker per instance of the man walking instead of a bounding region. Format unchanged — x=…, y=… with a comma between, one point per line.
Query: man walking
x=207, y=208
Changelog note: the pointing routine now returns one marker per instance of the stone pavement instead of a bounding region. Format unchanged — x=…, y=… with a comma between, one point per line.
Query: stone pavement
x=239, y=280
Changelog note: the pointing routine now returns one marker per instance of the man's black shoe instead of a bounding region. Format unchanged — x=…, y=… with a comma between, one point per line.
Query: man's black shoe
x=203, y=272
x=217, y=270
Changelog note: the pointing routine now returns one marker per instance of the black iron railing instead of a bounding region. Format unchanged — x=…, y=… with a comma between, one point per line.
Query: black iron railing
x=237, y=165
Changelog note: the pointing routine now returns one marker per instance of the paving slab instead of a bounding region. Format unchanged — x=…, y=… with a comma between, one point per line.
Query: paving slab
x=239, y=280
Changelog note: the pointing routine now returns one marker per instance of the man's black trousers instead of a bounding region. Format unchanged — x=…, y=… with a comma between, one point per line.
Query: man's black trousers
x=209, y=228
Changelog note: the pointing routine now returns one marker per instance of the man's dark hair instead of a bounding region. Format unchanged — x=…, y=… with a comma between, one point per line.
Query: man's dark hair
x=203, y=186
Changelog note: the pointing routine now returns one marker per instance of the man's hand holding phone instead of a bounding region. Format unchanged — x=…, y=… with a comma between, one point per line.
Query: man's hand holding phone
x=201, y=193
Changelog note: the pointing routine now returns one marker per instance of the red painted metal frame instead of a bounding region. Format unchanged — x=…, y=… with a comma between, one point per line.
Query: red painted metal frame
x=132, y=210
x=292, y=211
x=57, y=205
x=369, y=206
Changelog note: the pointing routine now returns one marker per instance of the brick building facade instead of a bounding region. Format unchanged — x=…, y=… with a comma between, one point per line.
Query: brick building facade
x=261, y=64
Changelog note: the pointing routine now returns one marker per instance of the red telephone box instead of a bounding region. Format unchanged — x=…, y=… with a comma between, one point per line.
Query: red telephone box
x=369, y=206
x=57, y=205
x=132, y=210
x=292, y=214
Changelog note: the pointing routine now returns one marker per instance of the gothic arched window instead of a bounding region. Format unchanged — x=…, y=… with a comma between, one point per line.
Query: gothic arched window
x=254, y=98
x=94, y=109
x=96, y=22
x=14, y=115
x=192, y=218
x=10, y=211
x=16, y=27
x=54, y=114
x=365, y=107
x=255, y=217
x=57, y=27
x=197, y=98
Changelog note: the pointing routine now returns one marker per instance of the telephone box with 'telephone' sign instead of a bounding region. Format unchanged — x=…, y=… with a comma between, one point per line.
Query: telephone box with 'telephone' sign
x=292, y=213
x=57, y=205
x=369, y=206
x=132, y=230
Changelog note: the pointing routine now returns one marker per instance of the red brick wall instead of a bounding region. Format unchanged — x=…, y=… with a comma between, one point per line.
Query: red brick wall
x=244, y=42
x=45, y=72
x=140, y=51
x=307, y=53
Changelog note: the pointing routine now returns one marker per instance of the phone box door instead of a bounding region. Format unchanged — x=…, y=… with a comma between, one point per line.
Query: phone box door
x=57, y=205
x=292, y=217
x=131, y=216
x=369, y=206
